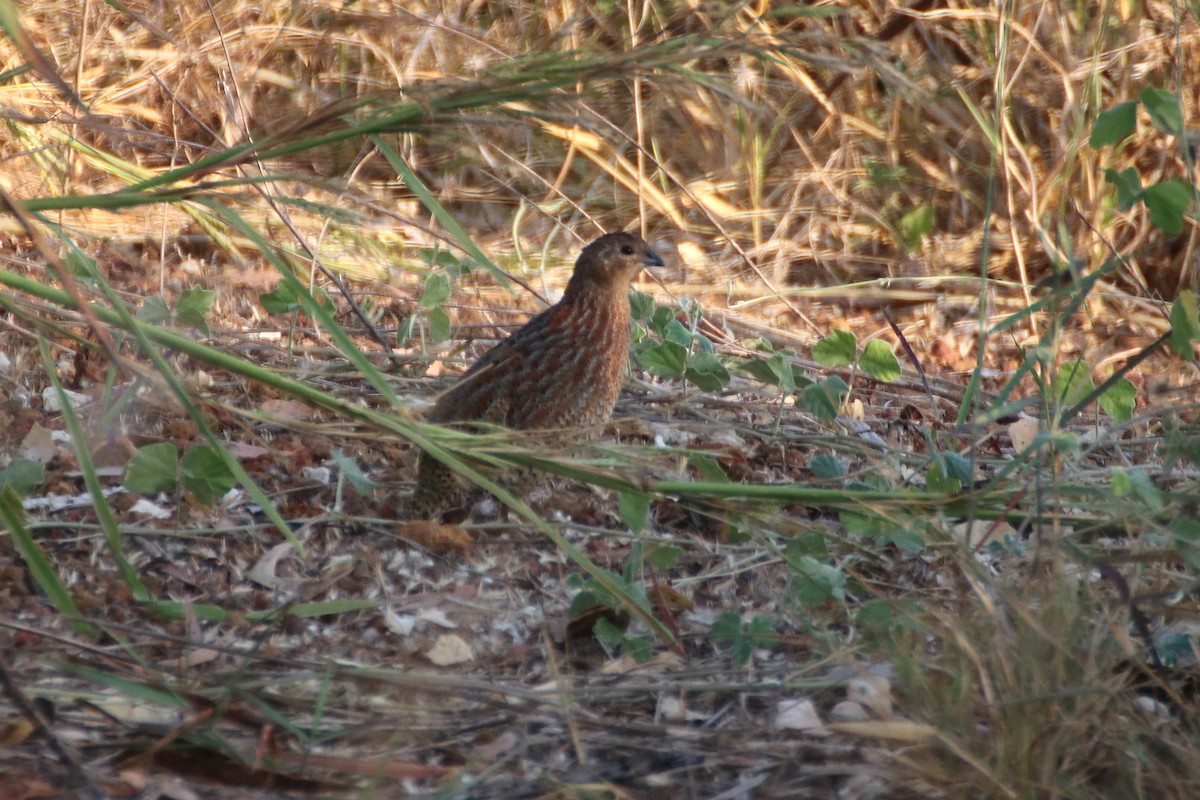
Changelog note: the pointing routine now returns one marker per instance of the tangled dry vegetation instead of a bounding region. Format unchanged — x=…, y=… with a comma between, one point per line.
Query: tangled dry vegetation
x=785, y=571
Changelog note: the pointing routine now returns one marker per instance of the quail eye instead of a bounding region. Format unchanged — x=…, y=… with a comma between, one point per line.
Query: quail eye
x=626, y=250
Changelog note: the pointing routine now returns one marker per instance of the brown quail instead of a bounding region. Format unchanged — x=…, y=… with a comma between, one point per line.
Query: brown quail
x=562, y=370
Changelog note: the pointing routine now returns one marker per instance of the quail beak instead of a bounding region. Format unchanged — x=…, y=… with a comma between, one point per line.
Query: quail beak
x=652, y=259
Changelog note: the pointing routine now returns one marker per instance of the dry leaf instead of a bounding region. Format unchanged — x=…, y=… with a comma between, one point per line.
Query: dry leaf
x=1023, y=432
x=113, y=452
x=14, y=731
x=893, y=730
x=450, y=649
x=669, y=601
x=849, y=711
x=977, y=532
x=263, y=572
x=38, y=444
x=873, y=692
x=436, y=537
x=284, y=410
x=798, y=715
x=246, y=452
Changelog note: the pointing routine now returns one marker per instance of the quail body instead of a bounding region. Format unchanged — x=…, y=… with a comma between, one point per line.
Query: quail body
x=561, y=371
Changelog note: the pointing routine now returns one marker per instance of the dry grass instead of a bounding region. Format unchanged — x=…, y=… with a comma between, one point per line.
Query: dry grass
x=775, y=154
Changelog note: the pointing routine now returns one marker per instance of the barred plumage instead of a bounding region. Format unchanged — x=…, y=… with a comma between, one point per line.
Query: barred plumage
x=562, y=370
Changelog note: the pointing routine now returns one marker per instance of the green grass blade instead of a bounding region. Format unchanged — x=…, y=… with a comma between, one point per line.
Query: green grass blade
x=439, y=211
x=13, y=515
x=108, y=523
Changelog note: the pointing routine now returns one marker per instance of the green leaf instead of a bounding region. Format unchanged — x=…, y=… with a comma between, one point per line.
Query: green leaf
x=806, y=544
x=709, y=374
x=915, y=226
x=785, y=373
x=640, y=648
x=1128, y=185
x=860, y=524
x=817, y=582
x=439, y=324
x=666, y=359
x=1074, y=382
x=726, y=628
x=875, y=616
x=406, y=330
x=758, y=369
x=676, y=331
x=762, y=631
x=437, y=257
x=1144, y=486
x=957, y=467
x=206, y=475
x=352, y=472
x=708, y=468
x=1185, y=324
x=1186, y=532
x=437, y=291
x=879, y=362
x=838, y=349
x=827, y=467
x=193, y=306
x=641, y=305
x=1164, y=110
x=939, y=479
x=824, y=398
x=1139, y=483
x=153, y=469
x=948, y=472
x=1114, y=124
x=154, y=311
x=1119, y=399
x=665, y=556
x=1122, y=486
x=582, y=601
x=608, y=633
x=1167, y=202
x=81, y=265
x=635, y=510
x=775, y=370
x=283, y=299
x=24, y=475
x=908, y=541
x=741, y=650
x=1063, y=441
x=659, y=320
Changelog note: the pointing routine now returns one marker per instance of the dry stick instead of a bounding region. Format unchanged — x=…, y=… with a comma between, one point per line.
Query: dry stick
x=912, y=357
x=639, y=125
x=1140, y=624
